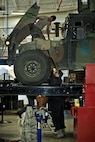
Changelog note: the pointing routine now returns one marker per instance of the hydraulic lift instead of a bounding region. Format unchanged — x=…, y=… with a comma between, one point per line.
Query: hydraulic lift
x=84, y=116
x=10, y=88
x=67, y=90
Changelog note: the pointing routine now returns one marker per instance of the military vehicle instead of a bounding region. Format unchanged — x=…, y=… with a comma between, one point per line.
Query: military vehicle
x=34, y=60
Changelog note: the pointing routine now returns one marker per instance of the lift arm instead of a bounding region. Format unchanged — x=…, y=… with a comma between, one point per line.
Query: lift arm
x=7, y=89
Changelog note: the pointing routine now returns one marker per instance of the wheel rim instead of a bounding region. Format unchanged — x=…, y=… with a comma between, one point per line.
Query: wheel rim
x=32, y=68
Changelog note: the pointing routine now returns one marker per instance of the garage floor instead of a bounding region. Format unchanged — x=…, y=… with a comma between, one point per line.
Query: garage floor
x=10, y=130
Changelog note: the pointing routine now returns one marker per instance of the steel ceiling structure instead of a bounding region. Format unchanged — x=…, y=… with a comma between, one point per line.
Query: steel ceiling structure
x=50, y=6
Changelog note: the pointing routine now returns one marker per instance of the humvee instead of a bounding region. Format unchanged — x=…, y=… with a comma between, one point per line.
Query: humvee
x=34, y=60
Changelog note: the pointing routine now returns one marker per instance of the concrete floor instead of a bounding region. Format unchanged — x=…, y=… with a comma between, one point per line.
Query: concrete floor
x=10, y=129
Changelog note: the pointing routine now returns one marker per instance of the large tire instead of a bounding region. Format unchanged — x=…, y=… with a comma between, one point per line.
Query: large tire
x=32, y=67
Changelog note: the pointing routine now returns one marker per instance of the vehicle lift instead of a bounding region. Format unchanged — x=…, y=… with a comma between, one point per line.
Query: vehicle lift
x=83, y=115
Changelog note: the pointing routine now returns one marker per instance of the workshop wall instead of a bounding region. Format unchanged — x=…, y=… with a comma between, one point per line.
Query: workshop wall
x=8, y=23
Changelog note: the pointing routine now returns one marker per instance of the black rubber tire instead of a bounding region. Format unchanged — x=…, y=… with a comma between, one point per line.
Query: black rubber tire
x=32, y=67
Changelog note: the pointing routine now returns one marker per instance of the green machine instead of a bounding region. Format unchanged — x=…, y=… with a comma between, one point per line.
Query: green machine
x=34, y=60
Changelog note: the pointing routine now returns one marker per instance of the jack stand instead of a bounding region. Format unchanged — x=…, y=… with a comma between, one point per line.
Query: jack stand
x=39, y=131
x=39, y=118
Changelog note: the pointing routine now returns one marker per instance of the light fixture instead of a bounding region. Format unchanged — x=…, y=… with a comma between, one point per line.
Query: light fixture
x=19, y=12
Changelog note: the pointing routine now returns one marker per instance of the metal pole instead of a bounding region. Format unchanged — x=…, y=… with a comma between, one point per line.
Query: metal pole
x=39, y=118
x=7, y=17
x=2, y=111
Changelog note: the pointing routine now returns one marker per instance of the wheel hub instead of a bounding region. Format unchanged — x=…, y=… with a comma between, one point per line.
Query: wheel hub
x=32, y=68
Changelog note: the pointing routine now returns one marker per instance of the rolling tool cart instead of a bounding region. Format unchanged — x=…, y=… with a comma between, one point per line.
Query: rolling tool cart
x=84, y=117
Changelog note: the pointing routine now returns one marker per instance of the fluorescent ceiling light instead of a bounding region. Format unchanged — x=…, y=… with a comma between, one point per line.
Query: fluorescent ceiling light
x=18, y=13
